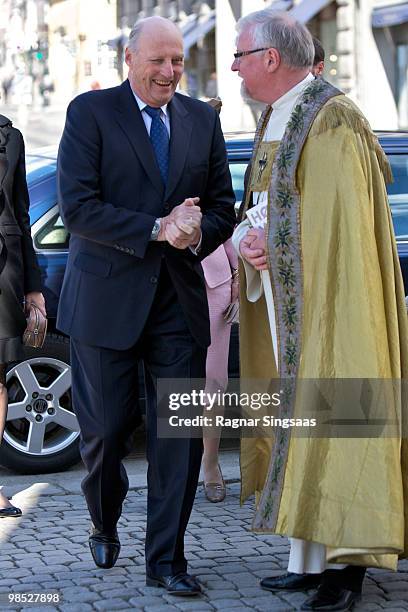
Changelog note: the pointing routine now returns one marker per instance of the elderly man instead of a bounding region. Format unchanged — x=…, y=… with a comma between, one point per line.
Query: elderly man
x=145, y=192
x=322, y=298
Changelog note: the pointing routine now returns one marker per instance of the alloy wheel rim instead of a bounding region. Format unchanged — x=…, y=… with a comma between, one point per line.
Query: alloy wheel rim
x=40, y=420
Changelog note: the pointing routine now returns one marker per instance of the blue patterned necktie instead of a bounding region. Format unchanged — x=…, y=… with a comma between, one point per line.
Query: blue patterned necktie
x=159, y=138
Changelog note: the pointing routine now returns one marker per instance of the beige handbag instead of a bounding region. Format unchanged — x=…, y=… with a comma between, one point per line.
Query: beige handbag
x=36, y=329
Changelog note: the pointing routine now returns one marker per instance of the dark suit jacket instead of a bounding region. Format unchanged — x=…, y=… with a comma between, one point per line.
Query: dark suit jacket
x=111, y=192
x=19, y=271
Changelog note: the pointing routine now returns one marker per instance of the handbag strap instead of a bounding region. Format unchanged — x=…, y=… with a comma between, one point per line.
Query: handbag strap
x=37, y=317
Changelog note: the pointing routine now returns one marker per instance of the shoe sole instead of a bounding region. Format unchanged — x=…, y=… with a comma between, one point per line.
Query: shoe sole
x=155, y=583
x=350, y=607
x=214, y=501
x=277, y=589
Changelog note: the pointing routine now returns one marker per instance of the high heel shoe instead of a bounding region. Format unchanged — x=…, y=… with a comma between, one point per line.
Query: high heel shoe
x=214, y=491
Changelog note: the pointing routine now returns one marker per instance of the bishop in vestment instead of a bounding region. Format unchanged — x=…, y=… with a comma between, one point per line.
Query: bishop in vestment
x=322, y=299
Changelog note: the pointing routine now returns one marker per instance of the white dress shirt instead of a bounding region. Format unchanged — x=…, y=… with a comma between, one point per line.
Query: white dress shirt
x=281, y=112
x=259, y=282
x=164, y=114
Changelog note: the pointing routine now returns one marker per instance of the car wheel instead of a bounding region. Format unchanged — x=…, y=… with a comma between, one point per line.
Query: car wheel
x=42, y=432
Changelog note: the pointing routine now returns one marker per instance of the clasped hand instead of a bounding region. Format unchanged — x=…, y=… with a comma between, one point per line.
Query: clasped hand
x=253, y=248
x=182, y=227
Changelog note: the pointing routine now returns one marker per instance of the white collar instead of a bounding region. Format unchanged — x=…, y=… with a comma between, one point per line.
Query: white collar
x=142, y=104
x=290, y=96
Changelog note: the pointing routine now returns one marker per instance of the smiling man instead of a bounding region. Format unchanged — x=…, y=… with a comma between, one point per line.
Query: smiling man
x=152, y=77
x=145, y=192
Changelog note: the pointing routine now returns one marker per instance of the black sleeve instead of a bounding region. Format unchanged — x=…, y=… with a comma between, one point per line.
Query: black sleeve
x=82, y=209
x=21, y=203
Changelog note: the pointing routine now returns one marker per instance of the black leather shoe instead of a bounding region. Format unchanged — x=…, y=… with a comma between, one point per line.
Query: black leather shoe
x=291, y=582
x=104, y=547
x=10, y=511
x=181, y=584
x=330, y=597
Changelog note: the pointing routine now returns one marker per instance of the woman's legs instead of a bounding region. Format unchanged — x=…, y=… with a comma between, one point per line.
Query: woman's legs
x=216, y=374
x=211, y=469
x=4, y=502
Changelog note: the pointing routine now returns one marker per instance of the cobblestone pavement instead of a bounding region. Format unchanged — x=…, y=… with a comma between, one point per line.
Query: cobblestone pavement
x=46, y=551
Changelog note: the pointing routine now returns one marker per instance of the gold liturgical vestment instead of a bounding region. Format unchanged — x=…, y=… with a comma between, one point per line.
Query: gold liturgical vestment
x=349, y=494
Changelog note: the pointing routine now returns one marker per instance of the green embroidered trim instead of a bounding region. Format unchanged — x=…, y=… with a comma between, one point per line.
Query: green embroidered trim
x=285, y=266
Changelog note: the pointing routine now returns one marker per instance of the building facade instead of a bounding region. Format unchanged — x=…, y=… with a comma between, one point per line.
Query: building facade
x=59, y=47
x=196, y=19
x=80, y=57
x=366, y=44
x=23, y=49
x=380, y=31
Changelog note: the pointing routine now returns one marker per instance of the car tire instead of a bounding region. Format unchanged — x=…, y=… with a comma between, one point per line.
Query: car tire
x=29, y=383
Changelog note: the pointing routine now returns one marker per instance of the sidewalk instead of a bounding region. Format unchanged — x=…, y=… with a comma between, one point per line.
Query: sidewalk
x=46, y=551
x=39, y=126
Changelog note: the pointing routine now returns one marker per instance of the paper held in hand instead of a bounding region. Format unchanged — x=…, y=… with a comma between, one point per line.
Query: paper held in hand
x=257, y=216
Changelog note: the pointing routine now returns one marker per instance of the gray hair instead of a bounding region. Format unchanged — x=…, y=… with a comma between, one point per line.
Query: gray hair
x=270, y=28
x=134, y=35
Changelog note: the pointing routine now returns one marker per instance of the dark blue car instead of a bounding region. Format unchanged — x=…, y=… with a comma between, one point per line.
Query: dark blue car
x=38, y=441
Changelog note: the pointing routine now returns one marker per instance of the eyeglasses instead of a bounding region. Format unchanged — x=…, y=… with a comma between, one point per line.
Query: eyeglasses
x=239, y=54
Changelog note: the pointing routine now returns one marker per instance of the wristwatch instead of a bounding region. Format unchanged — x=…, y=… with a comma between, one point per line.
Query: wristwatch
x=156, y=229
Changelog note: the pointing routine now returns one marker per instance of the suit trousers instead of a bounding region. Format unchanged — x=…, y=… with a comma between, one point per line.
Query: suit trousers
x=105, y=388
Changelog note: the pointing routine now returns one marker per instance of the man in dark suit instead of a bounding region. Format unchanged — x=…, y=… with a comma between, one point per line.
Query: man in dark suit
x=145, y=191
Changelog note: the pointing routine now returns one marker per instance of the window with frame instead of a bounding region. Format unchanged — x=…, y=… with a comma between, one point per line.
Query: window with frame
x=53, y=236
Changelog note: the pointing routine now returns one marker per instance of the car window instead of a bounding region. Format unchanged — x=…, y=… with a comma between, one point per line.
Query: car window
x=53, y=235
x=397, y=191
x=237, y=170
x=398, y=195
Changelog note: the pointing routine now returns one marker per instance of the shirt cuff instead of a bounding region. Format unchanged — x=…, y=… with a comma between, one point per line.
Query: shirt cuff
x=195, y=250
